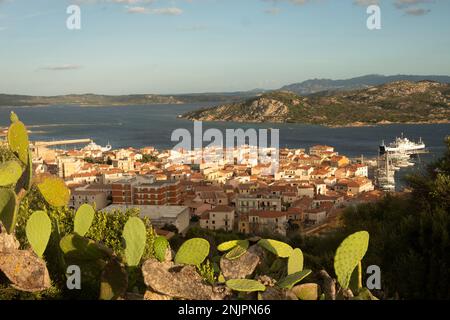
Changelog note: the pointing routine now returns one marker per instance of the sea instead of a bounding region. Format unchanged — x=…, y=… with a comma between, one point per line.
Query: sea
x=153, y=125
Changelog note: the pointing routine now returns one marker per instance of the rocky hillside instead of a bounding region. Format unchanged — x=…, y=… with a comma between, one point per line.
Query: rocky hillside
x=396, y=102
x=317, y=85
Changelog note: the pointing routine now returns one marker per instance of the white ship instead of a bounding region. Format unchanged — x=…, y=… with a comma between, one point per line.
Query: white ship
x=95, y=147
x=403, y=145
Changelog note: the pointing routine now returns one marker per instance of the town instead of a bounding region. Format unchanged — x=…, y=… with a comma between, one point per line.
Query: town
x=306, y=194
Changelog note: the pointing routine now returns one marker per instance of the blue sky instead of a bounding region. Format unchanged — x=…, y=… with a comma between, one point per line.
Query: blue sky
x=163, y=46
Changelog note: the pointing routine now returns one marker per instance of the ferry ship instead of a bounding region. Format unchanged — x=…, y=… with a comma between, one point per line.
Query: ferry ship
x=95, y=147
x=403, y=145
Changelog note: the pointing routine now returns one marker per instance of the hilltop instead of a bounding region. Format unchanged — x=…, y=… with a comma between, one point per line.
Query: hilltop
x=396, y=102
x=317, y=85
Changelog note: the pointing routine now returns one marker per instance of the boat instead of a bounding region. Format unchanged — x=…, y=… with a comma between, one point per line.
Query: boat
x=403, y=145
x=95, y=147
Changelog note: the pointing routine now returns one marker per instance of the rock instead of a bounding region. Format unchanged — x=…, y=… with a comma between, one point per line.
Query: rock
x=276, y=293
x=178, y=281
x=25, y=270
x=241, y=267
x=152, y=295
x=8, y=243
x=267, y=281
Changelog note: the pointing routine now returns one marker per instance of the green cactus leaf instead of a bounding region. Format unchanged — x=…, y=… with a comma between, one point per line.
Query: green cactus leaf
x=307, y=291
x=281, y=249
x=13, y=117
x=135, y=235
x=25, y=181
x=292, y=279
x=221, y=278
x=160, y=246
x=225, y=246
x=38, y=230
x=79, y=248
x=295, y=261
x=238, y=251
x=83, y=219
x=192, y=252
x=277, y=265
x=10, y=172
x=54, y=191
x=8, y=211
x=114, y=281
x=348, y=255
x=355, y=283
x=18, y=140
x=245, y=285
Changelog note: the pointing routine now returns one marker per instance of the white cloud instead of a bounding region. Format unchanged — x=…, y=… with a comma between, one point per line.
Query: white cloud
x=173, y=11
x=62, y=67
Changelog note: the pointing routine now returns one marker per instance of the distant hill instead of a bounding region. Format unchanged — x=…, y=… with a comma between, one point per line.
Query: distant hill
x=396, y=102
x=317, y=85
x=124, y=100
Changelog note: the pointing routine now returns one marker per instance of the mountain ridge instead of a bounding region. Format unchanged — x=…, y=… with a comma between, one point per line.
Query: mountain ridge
x=396, y=102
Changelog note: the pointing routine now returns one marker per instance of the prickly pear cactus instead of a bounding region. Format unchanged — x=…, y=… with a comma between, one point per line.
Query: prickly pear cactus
x=79, y=248
x=38, y=230
x=307, y=291
x=295, y=261
x=238, y=251
x=245, y=285
x=348, y=255
x=54, y=191
x=280, y=249
x=10, y=172
x=160, y=246
x=192, y=252
x=292, y=279
x=83, y=219
x=18, y=138
x=8, y=210
x=225, y=246
x=135, y=235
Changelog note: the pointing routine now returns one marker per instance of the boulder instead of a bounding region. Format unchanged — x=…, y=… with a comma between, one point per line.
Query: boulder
x=179, y=281
x=244, y=266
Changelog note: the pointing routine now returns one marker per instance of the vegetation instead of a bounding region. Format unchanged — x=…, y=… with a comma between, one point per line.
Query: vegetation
x=397, y=102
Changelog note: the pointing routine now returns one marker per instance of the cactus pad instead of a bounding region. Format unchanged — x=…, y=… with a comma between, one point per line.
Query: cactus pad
x=135, y=235
x=348, y=255
x=307, y=291
x=280, y=249
x=292, y=279
x=238, y=251
x=245, y=285
x=82, y=249
x=8, y=212
x=160, y=246
x=38, y=230
x=10, y=172
x=83, y=219
x=225, y=246
x=193, y=252
x=18, y=139
x=295, y=261
x=54, y=191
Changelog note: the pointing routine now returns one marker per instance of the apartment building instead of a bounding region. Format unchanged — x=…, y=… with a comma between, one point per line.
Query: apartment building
x=219, y=218
x=247, y=203
x=144, y=190
x=267, y=221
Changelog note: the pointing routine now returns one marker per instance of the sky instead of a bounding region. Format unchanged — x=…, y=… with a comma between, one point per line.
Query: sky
x=181, y=46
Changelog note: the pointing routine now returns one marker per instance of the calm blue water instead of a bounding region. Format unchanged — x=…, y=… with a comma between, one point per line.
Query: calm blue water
x=139, y=126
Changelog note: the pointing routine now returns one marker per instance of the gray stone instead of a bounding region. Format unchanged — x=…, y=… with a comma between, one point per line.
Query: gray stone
x=243, y=266
x=178, y=281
